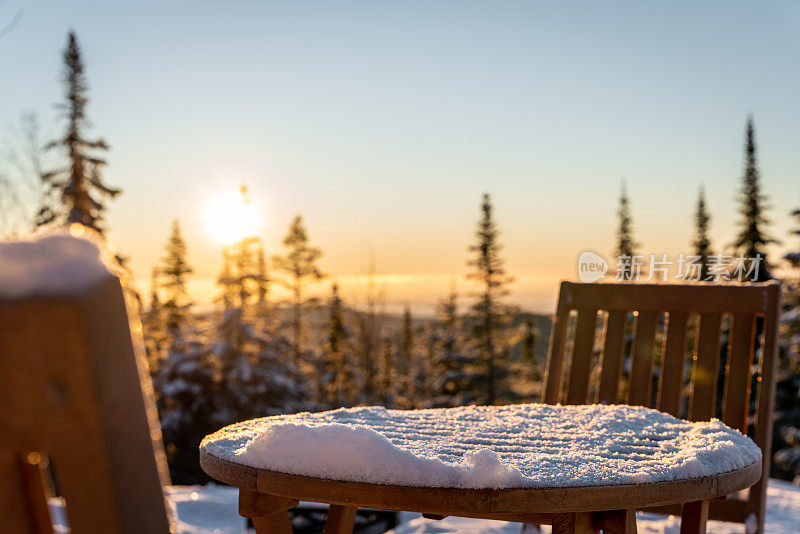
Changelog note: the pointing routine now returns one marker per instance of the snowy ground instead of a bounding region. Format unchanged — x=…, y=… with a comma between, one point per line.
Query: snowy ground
x=212, y=510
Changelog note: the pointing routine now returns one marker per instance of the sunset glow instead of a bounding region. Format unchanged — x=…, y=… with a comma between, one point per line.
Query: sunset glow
x=231, y=216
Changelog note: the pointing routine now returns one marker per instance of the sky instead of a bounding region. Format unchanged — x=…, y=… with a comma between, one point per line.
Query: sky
x=382, y=123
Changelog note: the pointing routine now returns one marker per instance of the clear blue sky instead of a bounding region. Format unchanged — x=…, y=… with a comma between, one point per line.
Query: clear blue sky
x=383, y=122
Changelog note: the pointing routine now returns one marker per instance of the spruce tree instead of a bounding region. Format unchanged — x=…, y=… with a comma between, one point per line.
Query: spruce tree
x=78, y=186
x=338, y=378
x=153, y=330
x=457, y=370
x=702, y=242
x=262, y=282
x=185, y=389
x=530, y=334
x=753, y=238
x=490, y=316
x=626, y=245
x=786, y=441
x=174, y=270
x=300, y=264
x=256, y=376
x=410, y=366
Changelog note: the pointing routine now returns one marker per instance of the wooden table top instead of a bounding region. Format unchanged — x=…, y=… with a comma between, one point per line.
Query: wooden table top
x=526, y=496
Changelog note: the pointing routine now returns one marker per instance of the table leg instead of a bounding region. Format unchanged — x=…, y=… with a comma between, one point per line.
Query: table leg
x=273, y=524
x=575, y=523
x=616, y=521
x=340, y=519
x=268, y=512
x=694, y=516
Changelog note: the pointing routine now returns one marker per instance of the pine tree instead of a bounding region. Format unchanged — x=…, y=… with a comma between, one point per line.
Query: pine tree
x=530, y=334
x=367, y=344
x=786, y=441
x=300, y=264
x=457, y=371
x=626, y=245
x=490, y=316
x=702, y=242
x=174, y=269
x=185, y=387
x=753, y=239
x=409, y=371
x=256, y=377
x=338, y=379
x=79, y=185
x=262, y=282
x=153, y=330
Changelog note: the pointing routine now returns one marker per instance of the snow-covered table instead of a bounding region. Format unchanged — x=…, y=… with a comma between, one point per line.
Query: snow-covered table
x=578, y=468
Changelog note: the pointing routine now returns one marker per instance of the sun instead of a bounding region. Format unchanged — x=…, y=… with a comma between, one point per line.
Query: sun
x=231, y=216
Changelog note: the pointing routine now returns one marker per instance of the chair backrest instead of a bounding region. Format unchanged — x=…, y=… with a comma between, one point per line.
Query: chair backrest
x=662, y=346
x=74, y=389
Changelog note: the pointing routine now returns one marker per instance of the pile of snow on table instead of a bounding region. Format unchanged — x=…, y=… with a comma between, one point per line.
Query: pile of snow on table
x=520, y=446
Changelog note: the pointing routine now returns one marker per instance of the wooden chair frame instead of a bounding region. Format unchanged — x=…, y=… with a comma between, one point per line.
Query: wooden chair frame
x=74, y=388
x=587, y=356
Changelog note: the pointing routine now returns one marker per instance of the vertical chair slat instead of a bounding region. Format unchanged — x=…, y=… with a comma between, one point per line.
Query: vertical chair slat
x=581, y=356
x=642, y=364
x=706, y=366
x=766, y=399
x=555, y=358
x=683, y=302
x=737, y=386
x=671, y=383
x=612, y=356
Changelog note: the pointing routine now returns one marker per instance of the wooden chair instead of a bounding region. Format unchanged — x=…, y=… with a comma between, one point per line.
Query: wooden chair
x=668, y=329
x=71, y=390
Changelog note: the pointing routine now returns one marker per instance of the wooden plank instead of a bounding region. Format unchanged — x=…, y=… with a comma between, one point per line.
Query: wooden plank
x=737, y=385
x=694, y=517
x=641, y=376
x=671, y=380
x=340, y=519
x=577, y=523
x=766, y=400
x=14, y=511
x=730, y=510
x=273, y=524
x=613, y=348
x=692, y=298
x=581, y=360
x=255, y=504
x=33, y=473
x=706, y=367
x=469, y=502
x=616, y=521
x=75, y=393
x=555, y=359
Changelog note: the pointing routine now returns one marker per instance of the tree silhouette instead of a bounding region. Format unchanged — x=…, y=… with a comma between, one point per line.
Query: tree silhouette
x=490, y=316
x=753, y=239
x=702, y=243
x=338, y=377
x=300, y=263
x=626, y=245
x=174, y=269
x=79, y=185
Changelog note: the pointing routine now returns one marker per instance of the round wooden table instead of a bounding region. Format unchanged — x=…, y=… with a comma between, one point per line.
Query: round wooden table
x=265, y=496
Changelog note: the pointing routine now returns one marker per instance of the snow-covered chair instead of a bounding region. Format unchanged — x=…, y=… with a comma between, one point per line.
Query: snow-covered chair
x=664, y=346
x=74, y=390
